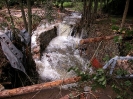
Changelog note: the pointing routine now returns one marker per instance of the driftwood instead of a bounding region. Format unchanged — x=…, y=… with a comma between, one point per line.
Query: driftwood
x=96, y=39
x=37, y=87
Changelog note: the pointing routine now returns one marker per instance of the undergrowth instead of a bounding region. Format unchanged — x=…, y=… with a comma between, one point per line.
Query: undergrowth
x=101, y=78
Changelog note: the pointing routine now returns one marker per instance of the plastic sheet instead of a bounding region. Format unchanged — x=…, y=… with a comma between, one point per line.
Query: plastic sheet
x=112, y=62
x=14, y=55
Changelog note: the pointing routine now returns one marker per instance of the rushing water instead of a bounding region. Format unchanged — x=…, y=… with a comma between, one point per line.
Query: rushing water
x=60, y=55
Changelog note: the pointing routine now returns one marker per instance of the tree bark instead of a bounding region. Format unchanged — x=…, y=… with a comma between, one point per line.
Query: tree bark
x=29, y=17
x=89, y=13
x=95, y=6
x=107, y=2
x=84, y=11
x=62, y=7
x=12, y=22
x=101, y=4
x=23, y=15
x=28, y=54
x=125, y=14
x=30, y=65
x=37, y=87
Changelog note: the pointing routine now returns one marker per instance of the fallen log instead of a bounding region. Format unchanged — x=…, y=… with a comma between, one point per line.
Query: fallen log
x=37, y=87
x=96, y=39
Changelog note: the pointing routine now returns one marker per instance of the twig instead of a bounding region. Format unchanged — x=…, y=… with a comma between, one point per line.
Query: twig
x=93, y=95
x=20, y=79
x=36, y=94
x=96, y=51
x=109, y=96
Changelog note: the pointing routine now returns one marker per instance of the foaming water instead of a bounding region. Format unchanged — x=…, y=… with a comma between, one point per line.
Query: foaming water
x=60, y=55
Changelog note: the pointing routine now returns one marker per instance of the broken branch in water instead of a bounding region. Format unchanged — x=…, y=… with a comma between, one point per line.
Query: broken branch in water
x=37, y=87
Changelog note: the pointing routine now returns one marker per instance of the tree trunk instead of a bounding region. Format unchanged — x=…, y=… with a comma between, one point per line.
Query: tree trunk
x=12, y=22
x=89, y=13
x=23, y=15
x=107, y=2
x=30, y=64
x=29, y=29
x=37, y=87
x=95, y=6
x=84, y=11
x=29, y=17
x=125, y=14
x=62, y=7
x=101, y=4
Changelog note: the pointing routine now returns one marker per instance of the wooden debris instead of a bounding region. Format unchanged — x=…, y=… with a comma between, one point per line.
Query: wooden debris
x=96, y=39
x=37, y=87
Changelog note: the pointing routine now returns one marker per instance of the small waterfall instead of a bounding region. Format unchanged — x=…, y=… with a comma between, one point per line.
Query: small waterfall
x=64, y=30
x=60, y=55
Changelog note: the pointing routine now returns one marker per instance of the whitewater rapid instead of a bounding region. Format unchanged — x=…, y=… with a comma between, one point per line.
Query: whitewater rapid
x=60, y=55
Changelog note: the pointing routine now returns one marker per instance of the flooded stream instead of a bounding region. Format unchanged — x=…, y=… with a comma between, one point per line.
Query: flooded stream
x=61, y=54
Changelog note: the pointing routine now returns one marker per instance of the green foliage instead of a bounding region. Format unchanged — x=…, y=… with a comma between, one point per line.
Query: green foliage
x=67, y=4
x=78, y=6
x=128, y=46
x=115, y=88
x=1, y=4
x=128, y=83
x=35, y=19
x=99, y=79
x=129, y=33
x=113, y=21
x=49, y=11
x=123, y=88
x=84, y=76
x=106, y=58
x=124, y=40
x=118, y=39
x=121, y=72
x=114, y=27
x=3, y=25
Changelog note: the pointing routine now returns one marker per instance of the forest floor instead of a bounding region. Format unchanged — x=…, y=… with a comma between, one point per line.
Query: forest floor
x=101, y=27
